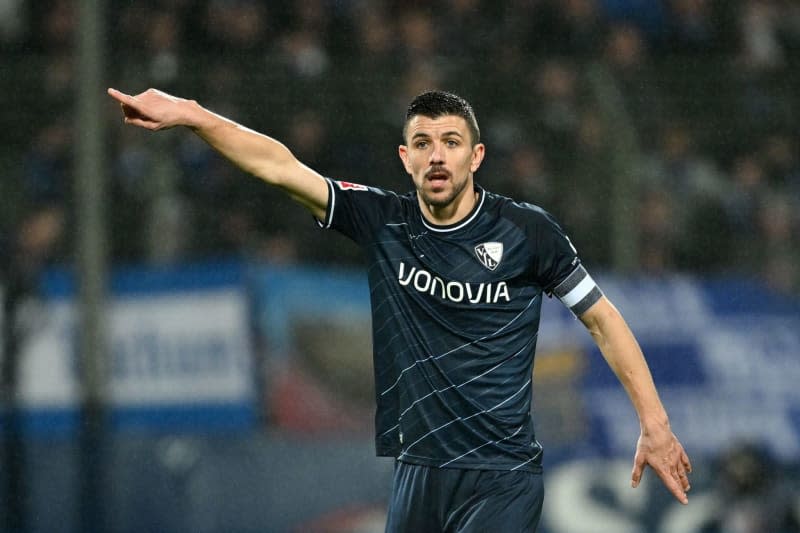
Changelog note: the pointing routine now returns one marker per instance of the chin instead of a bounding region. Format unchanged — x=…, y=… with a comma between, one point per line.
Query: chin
x=438, y=199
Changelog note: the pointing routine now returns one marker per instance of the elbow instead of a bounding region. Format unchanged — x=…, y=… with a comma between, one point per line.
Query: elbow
x=276, y=171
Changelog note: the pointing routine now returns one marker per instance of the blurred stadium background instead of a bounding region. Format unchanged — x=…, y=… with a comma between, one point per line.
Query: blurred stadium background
x=183, y=351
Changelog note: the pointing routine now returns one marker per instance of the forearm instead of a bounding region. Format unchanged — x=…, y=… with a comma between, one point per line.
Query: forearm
x=623, y=354
x=657, y=446
x=253, y=152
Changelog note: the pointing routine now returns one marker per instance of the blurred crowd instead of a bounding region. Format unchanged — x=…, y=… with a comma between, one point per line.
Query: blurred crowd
x=690, y=106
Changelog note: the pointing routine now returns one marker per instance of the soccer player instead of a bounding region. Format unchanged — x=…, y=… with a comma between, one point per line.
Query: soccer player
x=456, y=276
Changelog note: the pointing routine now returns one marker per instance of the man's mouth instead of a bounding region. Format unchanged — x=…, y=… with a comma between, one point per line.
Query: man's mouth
x=437, y=175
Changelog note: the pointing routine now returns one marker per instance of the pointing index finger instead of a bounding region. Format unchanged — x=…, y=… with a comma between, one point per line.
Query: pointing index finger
x=120, y=96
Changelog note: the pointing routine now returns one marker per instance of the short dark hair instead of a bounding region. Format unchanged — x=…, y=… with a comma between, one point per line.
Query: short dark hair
x=435, y=104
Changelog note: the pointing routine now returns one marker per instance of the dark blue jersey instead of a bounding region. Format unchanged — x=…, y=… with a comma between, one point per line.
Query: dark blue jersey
x=455, y=317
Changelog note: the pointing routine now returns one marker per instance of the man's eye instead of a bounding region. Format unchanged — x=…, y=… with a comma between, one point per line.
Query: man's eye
x=452, y=143
x=421, y=144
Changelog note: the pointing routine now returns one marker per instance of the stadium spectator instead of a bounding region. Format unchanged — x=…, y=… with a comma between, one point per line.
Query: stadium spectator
x=47, y=167
x=571, y=28
x=36, y=242
x=59, y=19
x=691, y=27
x=555, y=108
x=751, y=494
x=649, y=18
x=676, y=165
x=58, y=81
x=761, y=47
x=777, y=244
x=13, y=24
x=748, y=188
x=162, y=44
x=584, y=192
x=374, y=45
x=417, y=35
x=658, y=233
x=304, y=54
x=528, y=174
x=236, y=28
x=583, y=27
x=779, y=152
x=157, y=37
x=626, y=54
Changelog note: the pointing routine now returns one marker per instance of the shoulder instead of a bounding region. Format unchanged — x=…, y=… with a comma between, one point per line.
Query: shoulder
x=363, y=203
x=523, y=214
x=363, y=192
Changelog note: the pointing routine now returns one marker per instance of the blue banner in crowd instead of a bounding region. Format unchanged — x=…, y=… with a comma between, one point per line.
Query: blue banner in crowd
x=724, y=357
x=723, y=354
x=179, y=352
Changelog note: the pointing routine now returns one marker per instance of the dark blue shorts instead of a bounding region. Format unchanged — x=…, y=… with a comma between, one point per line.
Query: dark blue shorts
x=449, y=500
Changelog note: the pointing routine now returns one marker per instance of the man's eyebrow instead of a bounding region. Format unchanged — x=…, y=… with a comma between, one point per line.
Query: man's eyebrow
x=445, y=134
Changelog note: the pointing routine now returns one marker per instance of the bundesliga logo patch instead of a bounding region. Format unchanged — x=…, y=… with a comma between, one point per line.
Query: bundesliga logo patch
x=489, y=254
x=349, y=186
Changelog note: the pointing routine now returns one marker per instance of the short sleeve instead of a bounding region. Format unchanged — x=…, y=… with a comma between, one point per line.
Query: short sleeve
x=356, y=210
x=558, y=267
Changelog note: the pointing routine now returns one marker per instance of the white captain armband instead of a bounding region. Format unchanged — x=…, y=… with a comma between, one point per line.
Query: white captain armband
x=578, y=292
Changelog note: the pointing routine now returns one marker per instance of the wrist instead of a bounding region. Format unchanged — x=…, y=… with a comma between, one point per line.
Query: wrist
x=195, y=116
x=654, y=422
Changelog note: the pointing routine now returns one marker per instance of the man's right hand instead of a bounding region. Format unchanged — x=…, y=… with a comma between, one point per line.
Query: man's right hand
x=152, y=109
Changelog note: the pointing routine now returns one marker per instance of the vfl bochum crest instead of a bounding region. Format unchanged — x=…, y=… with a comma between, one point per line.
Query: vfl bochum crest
x=490, y=254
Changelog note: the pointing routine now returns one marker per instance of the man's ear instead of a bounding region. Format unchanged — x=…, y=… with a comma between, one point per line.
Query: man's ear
x=402, y=151
x=478, y=152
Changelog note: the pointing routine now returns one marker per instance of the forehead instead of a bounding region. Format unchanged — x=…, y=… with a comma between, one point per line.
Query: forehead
x=436, y=127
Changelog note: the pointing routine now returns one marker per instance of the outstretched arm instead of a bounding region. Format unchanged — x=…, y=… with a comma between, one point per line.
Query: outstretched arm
x=657, y=445
x=253, y=152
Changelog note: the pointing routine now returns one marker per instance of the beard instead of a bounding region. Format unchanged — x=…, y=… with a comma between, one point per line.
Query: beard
x=435, y=199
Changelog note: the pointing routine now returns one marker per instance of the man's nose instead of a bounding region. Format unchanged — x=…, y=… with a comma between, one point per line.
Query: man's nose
x=437, y=154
